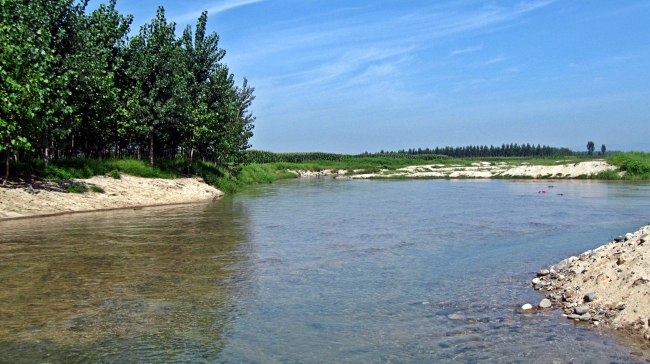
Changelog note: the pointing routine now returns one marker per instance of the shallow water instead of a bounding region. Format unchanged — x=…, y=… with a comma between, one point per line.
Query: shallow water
x=314, y=270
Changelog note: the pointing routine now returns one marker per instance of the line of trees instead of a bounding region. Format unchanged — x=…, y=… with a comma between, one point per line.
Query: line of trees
x=73, y=84
x=472, y=151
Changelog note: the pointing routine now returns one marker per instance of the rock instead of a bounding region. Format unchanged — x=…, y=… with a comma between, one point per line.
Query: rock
x=456, y=316
x=540, y=285
x=620, y=260
x=644, y=238
x=527, y=306
x=585, y=317
x=573, y=316
x=629, y=236
x=589, y=297
x=535, y=280
x=543, y=272
x=619, y=306
x=619, y=239
x=581, y=310
x=545, y=303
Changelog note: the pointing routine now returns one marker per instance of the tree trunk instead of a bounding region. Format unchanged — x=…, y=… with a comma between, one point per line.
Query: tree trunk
x=46, y=156
x=191, y=155
x=7, y=171
x=151, y=149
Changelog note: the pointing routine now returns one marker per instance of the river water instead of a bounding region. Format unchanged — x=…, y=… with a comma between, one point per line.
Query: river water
x=314, y=271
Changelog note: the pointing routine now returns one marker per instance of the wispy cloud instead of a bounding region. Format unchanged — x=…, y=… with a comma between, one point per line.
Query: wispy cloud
x=495, y=60
x=215, y=8
x=465, y=50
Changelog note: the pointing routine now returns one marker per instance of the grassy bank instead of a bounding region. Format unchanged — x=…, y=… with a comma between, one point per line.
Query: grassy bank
x=635, y=164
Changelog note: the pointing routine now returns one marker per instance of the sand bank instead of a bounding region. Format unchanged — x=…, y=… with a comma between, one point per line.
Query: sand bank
x=497, y=170
x=608, y=286
x=46, y=197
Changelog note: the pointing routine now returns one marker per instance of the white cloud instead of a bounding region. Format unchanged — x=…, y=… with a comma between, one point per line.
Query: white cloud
x=216, y=8
x=465, y=50
x=495, y=60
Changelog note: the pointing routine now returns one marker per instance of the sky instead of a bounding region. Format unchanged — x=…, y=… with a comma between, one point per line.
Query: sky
x=353, y=76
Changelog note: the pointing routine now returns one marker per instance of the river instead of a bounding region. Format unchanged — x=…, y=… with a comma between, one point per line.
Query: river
x=314, y=271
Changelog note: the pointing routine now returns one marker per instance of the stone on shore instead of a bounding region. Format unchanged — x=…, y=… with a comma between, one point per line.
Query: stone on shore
x=581, y=310
x=543, y=272
x=545, y=303
x=590, y=297
x=527, y=307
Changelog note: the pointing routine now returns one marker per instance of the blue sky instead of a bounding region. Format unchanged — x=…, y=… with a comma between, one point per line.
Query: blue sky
x=352, y=76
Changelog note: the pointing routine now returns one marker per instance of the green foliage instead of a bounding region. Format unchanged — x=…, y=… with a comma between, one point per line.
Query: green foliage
x=590, y=147
x=635, y=164
x=97, y=189
x=115, y=174
x=77, y=188
x=72, y=84
x=607, y=175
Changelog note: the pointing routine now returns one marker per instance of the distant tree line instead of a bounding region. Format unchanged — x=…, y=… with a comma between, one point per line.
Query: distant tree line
x=74, y=84
x=479, y=151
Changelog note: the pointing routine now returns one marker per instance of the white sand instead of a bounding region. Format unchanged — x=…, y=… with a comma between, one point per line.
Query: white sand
x=488, y=170
x=49, y=198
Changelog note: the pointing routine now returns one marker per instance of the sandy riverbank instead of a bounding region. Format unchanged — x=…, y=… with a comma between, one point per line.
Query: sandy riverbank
x=46, y=197
x=608, y=286
x=476, y=170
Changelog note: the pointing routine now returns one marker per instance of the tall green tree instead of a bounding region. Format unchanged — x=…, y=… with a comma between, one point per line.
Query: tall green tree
x=24, y=63
x=160, y=95
x=603, y=149
x=590, y=147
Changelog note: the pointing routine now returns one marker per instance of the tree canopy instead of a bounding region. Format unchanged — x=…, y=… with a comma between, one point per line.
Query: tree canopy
x=74, y=84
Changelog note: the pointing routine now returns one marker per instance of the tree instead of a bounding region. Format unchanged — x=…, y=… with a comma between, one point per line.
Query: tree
x=590, y=148
x=603, y=149
x=24, y=62
x=160, y=94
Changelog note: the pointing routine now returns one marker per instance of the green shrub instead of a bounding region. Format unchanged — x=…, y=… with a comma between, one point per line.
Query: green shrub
x=77, y=188
x=97, y=189
x=115, y=174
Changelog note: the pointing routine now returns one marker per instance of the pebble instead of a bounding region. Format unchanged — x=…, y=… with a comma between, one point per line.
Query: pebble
x=629, y=236
x=545, y=303
x=573, y=316
x=536, y=280
x=527, y=306
x=581, y=310
x=585, y=317
x=456, y=316
x=540, y=285
x=619, y=239
x=589, y=297
x=543, y=272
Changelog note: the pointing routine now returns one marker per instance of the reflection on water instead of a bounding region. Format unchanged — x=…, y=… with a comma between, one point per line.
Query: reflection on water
x=313, y=271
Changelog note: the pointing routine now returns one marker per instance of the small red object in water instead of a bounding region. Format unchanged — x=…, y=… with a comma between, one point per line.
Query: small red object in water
x=542, y=192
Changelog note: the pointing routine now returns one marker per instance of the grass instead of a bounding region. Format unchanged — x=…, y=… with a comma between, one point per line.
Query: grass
x=97, y=189
x=77, y=188
x=635, y=164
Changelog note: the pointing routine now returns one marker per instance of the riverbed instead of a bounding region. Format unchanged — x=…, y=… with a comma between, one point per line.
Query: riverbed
x=314, y=270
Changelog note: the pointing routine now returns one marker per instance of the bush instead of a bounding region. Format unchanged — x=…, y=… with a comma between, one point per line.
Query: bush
x=77, y=188
x=115, y=174
x=97, y=189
